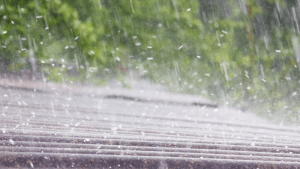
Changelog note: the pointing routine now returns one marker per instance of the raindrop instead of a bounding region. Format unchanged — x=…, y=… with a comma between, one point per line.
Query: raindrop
x=295, y=19
x=225, y=70
x=20, y=11
x=262, y=71
x=76, y=61
x=224, y=32
x=47, y=27
x=54, y=115
x=99, y=4
x=296, y=46
x=31, y=165
x=132, y=6
x=11, y=141
x=219, y=43
x=34, y=44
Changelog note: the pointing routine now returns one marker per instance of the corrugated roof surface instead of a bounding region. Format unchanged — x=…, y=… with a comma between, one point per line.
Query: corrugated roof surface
x=50, y=126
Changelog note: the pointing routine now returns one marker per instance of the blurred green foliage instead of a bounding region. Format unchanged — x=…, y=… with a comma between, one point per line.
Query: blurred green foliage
x=238, y=52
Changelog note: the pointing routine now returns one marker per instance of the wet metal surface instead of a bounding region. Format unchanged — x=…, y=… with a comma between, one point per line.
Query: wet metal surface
x=44, y=126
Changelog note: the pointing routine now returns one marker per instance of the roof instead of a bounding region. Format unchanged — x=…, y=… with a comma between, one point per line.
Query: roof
x=51, y=125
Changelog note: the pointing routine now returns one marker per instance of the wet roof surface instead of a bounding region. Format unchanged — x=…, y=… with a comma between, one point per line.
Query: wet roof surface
x=47, y=126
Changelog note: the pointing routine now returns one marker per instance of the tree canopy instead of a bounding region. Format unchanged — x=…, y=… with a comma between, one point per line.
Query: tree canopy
x=240, y=52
